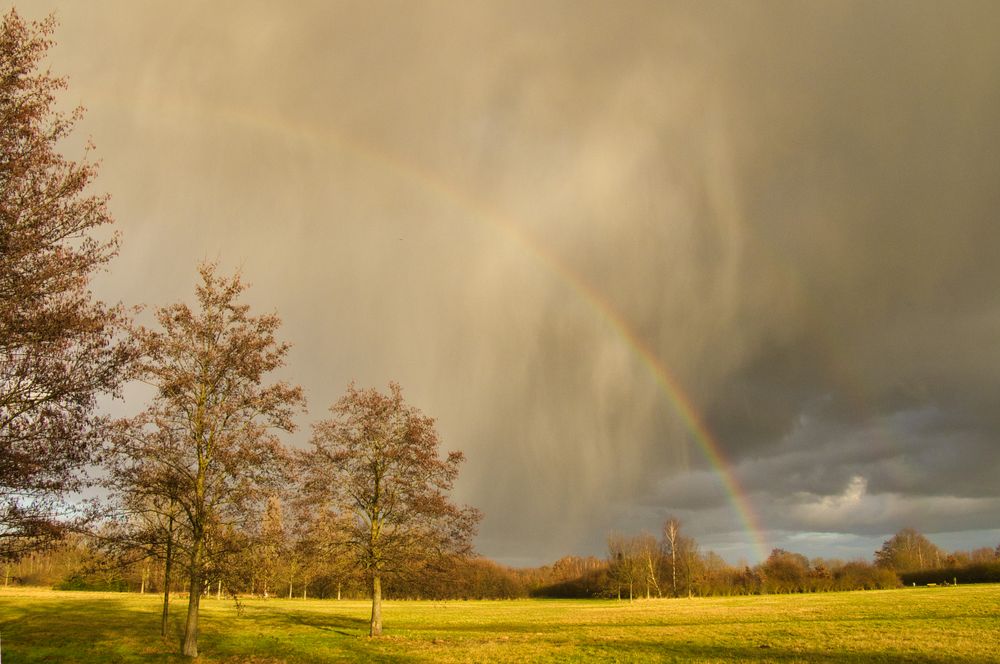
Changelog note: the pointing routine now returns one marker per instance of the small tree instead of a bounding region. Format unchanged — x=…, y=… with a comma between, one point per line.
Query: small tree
x=208, y=442
x=625, y=563
x=146, y=530
x=59, y=347
x=376, y=463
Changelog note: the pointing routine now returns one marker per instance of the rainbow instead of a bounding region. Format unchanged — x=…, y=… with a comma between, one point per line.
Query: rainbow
x=436, y=185
x=661, y=374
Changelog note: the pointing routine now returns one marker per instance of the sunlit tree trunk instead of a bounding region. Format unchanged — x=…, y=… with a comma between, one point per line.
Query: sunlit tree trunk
x=190, y=647
x=166, y=576
x=376, y=624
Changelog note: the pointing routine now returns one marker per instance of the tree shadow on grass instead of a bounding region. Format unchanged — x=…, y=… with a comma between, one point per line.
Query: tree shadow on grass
x=339, y=624
x=328, y=637
x=646, y=651
x=103, y=630
x=106, y=629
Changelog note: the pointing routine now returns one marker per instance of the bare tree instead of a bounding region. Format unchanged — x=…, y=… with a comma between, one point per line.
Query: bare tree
x=208, y=442
x=376, y=463
x=681, y=557
x=647, y=549
x=322, y=532
x=625, y=564
x=908, y=551
x=146, y=530
x=59, y=347
x=271, y=549
x=671, y=542
x=785, y=572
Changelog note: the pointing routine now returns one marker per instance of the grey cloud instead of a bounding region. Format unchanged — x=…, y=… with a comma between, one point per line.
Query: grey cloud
x=792, y=205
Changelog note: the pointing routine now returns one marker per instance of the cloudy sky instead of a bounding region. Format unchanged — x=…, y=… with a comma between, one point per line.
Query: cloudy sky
x=538, y=216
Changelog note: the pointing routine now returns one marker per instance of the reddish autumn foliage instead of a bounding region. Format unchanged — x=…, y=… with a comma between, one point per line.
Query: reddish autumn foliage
x=59, y=347
x=376, y=464
x=207, y=456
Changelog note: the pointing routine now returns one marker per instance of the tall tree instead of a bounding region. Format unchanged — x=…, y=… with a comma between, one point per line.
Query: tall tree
x=209, y=440
x=671, y=549
x=648, y=551
x=908, y=551
x=680, y=557
x=59, y=347
x=376, y=461
x=625, y=563
x=321, y=534
x=271, y=545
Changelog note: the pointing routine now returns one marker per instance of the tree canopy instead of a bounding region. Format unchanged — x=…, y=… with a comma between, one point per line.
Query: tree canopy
x=908, y=551
x=376, y=464
x=60, y=348
x=207, y=446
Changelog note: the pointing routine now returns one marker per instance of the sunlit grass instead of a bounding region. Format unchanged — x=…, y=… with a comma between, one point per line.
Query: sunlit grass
x=913, y=624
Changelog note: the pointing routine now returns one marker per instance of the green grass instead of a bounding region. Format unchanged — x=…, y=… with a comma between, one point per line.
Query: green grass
x=947, y=624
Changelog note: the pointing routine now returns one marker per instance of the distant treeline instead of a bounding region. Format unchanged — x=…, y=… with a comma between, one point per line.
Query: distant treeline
x=985, y=572
x=636, y=566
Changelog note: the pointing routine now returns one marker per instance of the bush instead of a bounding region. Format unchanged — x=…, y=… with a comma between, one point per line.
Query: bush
x=94, y=583
x=862, y=576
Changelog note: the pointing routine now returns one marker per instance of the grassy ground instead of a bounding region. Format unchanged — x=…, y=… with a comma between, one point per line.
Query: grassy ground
x=947, y=624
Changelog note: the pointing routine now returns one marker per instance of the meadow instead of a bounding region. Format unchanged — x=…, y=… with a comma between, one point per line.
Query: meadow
x=942, y=624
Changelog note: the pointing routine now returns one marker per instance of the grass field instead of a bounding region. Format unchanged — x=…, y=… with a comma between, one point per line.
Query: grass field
x=947, y=624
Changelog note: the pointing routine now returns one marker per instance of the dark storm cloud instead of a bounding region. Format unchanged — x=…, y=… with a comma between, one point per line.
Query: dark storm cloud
x=793, y=205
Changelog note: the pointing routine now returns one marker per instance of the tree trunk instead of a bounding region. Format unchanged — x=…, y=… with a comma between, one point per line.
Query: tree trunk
x=687, y=577
x=166, y=577
x=673, y=571
x=338, y=591
x=190, y=647
x=289, y=590
x=376, y=624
